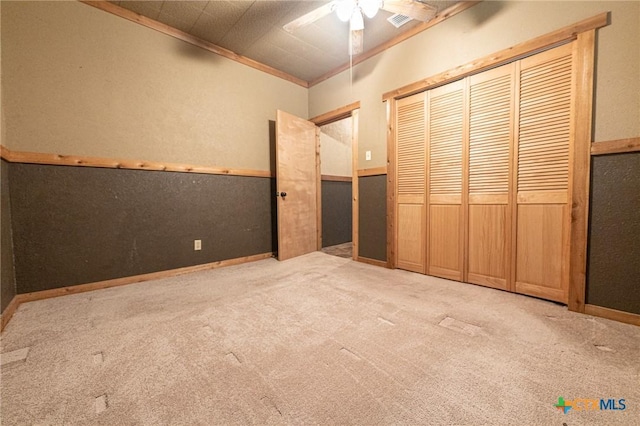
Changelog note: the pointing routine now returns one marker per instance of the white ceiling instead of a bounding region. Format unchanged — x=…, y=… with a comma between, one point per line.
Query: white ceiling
x=254, y=29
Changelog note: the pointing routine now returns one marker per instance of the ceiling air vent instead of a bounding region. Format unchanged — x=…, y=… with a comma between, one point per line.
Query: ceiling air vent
x=398, y=20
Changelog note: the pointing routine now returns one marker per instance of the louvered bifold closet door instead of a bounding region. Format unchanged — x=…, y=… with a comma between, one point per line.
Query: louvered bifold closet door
x=445, y=216
x=491, y=114
x=544, y=139
x=410, y=190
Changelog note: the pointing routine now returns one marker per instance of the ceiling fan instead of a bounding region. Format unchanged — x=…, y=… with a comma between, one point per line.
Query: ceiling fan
x=353, y=11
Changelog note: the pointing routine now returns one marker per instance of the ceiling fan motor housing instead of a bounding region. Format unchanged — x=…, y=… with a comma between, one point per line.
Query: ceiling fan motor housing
x=347, y=9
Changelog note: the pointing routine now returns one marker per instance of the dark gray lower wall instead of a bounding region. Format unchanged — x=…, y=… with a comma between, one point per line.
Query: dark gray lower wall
x=7, y=275
x=372, y=217
x=614, y=238
x=76, y=225
x=336, y=213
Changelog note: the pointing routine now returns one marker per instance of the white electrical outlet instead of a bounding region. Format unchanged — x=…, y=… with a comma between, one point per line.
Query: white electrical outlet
x=367, y=155
x=197, y=244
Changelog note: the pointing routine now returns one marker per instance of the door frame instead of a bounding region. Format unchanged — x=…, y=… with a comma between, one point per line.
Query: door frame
x=348, y=111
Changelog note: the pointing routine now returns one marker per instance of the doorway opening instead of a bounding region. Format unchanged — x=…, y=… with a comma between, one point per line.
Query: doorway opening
x=302, y=182
x=337, y=166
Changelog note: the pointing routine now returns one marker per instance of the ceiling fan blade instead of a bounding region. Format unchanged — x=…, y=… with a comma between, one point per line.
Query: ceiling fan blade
x=412, y=8
x=356, y=44
x=311, y=17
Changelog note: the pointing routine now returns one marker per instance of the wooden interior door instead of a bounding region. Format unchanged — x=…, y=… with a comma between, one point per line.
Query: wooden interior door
x=297, y=182
x=410, y=189
x=446, y=135
x=491, y=128
x=545, y=135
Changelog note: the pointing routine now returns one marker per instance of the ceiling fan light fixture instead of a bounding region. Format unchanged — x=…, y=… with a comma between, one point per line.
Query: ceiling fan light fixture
x=357, y=21
x=345, y=10
x=370, y=7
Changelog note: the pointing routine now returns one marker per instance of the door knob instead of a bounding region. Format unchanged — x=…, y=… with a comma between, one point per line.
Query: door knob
x=281, y=194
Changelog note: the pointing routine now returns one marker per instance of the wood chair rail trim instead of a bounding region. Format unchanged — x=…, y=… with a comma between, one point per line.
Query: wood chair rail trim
x=110, y=163
x=333, y=178
x=373, y=171
x=616, y=146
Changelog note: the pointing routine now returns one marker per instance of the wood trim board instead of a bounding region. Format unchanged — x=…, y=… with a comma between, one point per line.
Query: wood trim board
x=513, y=183
x=332, y=178
x=355, y=188
x=616, y=146
x=82, y=288
x=318, y=193
x=612, y=314
x=336, y=114
x=445, y=14
x=191, y=39
x=428, y=233
x=390, y=110
x=373, y=171
x=110, y=163
x=578, y=216
x=374, y=262
x=561, y=36
x=464, y=205
x=597, y=148
x=5, y=317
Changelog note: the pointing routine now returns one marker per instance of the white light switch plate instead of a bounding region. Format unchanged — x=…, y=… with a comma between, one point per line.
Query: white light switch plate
x=197, y=244
x=368, y=155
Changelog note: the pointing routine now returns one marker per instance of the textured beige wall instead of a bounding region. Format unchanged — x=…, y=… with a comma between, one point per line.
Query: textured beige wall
x=77, y=80
x=335, y=148
x=484, y=29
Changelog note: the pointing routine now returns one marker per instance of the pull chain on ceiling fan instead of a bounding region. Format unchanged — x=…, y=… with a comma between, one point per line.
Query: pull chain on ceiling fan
x=353, y=11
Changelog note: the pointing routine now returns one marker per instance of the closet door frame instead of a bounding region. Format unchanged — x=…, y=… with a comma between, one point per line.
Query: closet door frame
x=583, y=34
x=580, y=166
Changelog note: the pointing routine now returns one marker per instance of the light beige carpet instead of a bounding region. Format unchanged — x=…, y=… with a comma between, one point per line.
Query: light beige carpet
x=313, y=340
